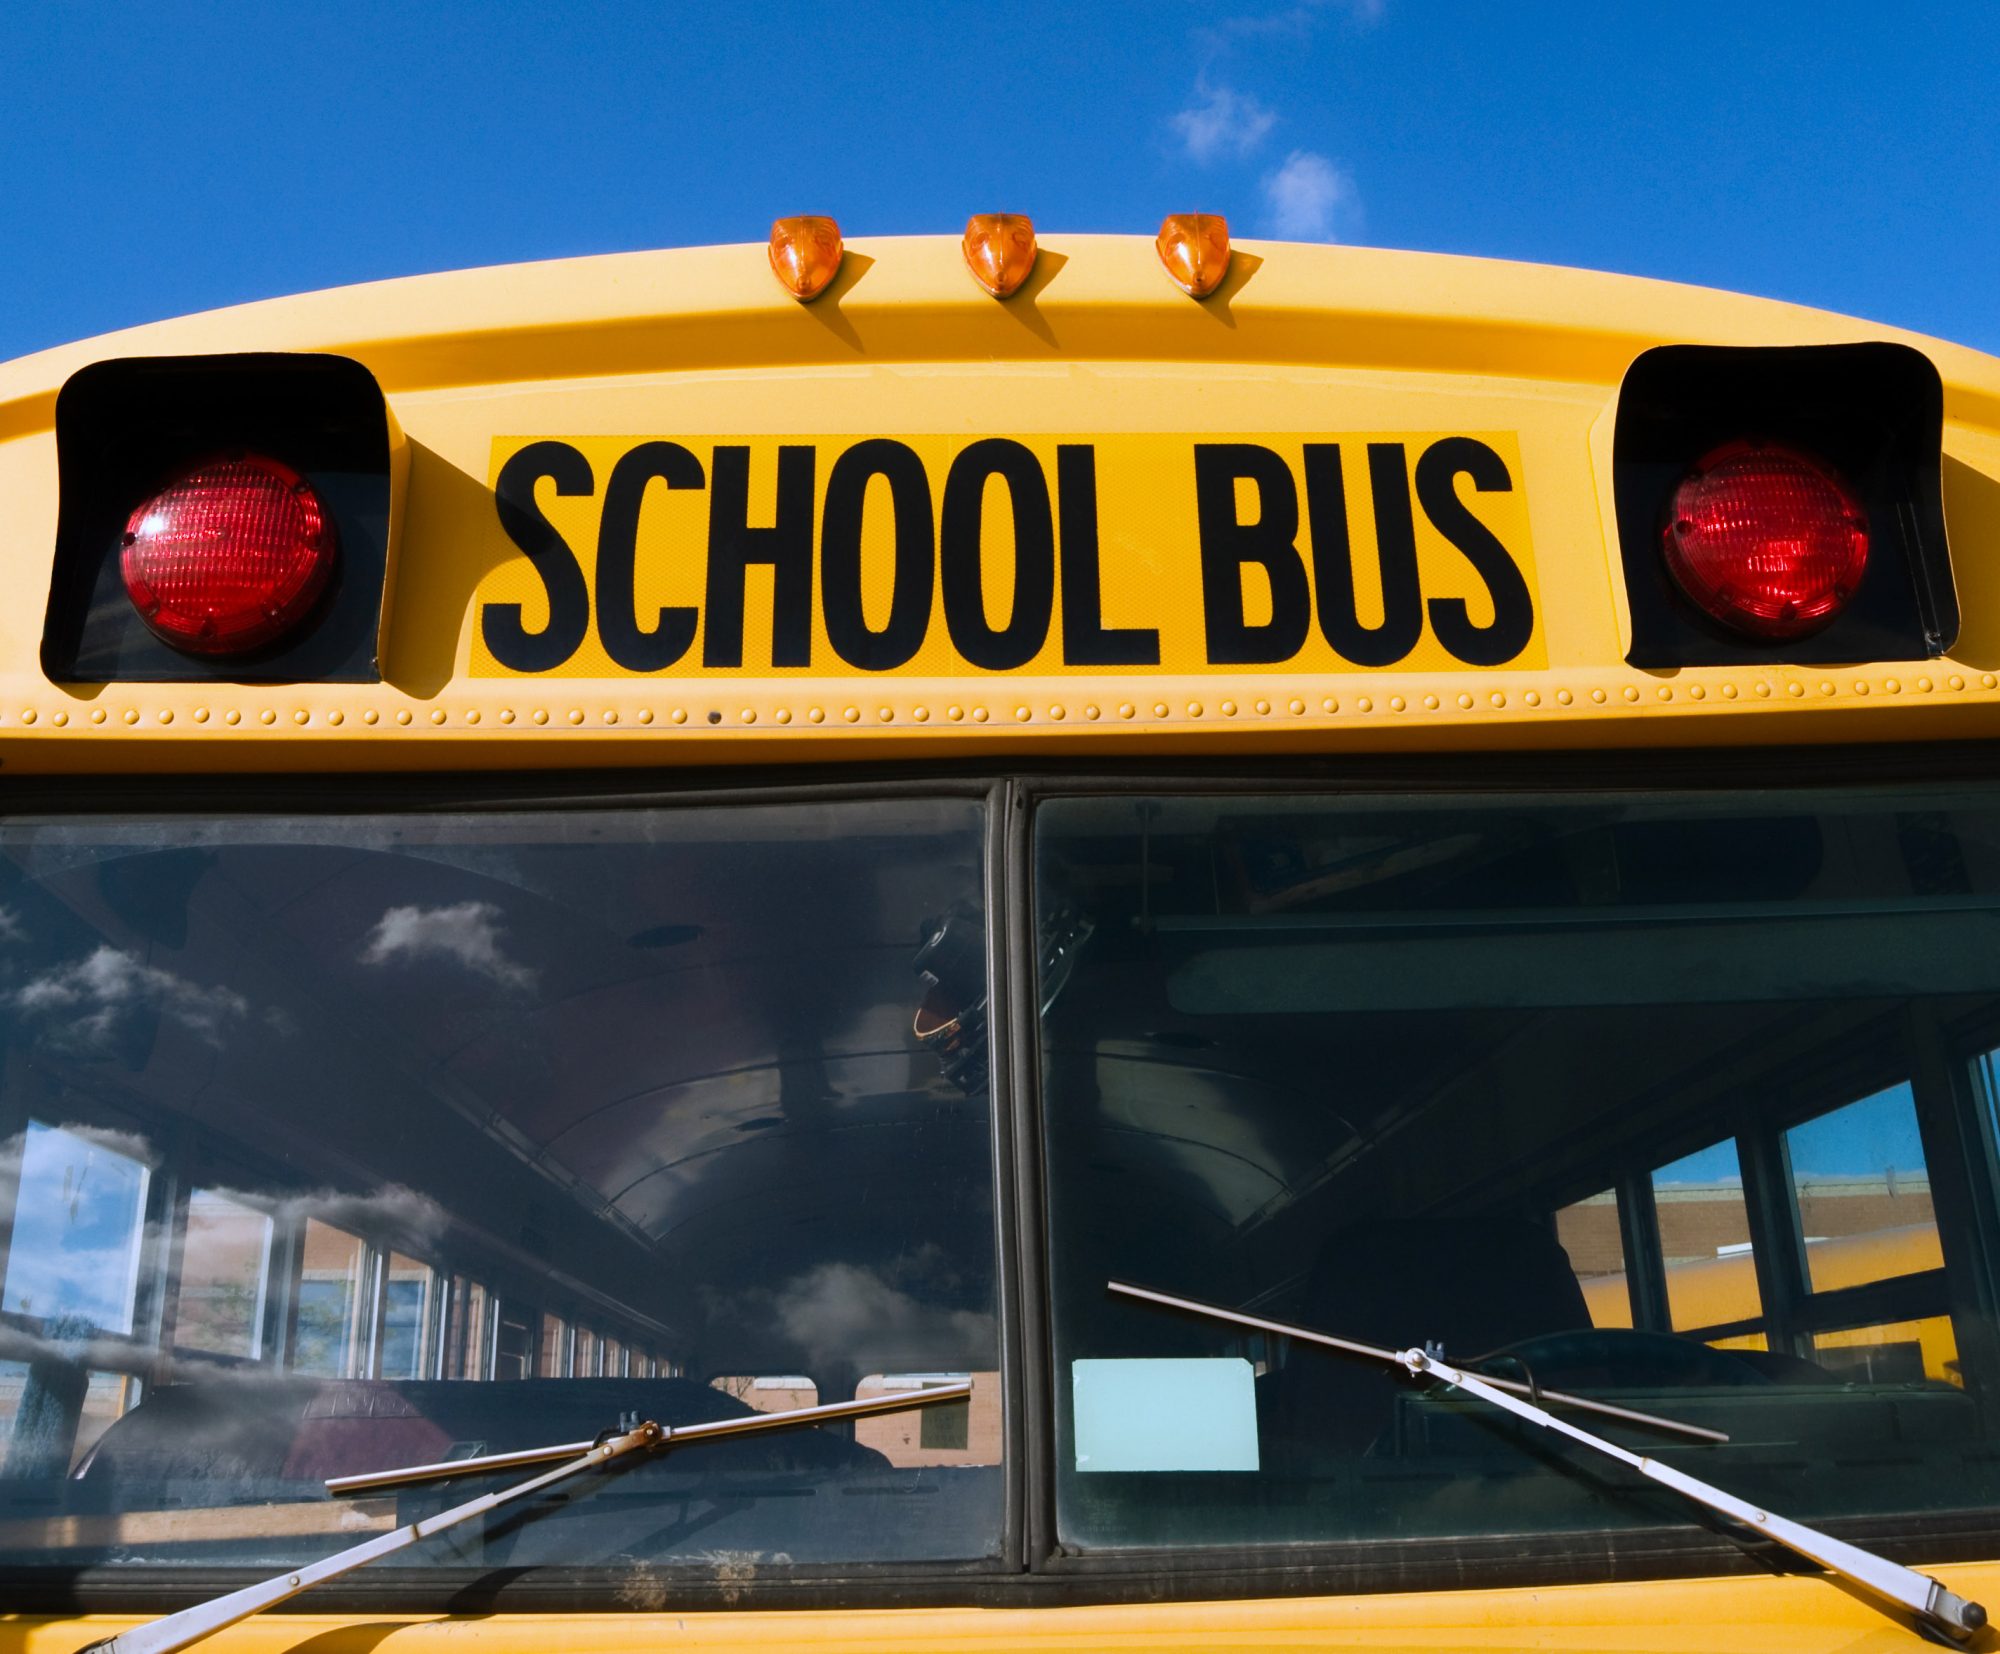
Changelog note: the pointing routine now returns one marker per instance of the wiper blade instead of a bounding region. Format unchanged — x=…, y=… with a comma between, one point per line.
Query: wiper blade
x=1375, y=1352
x=1934, y=1606
x=190, y=1625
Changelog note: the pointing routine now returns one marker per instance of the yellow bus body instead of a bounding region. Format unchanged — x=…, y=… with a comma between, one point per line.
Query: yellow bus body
x=702, y=344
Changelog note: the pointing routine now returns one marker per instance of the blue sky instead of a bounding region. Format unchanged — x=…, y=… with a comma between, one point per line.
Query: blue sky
x=161, y=158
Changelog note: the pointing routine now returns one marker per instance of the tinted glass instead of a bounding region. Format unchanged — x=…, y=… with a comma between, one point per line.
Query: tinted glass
x=1514, y=1077
x=334, y=1145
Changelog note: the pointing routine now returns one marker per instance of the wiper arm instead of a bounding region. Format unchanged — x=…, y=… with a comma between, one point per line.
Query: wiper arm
x=1933, y=1605
x=190, y=1625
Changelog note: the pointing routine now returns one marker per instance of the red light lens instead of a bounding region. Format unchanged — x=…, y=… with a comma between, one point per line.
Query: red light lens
x=230, y=557
x=1767, y=539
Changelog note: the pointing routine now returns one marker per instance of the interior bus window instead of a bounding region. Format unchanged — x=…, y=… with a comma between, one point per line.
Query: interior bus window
x=224, y=1276
x=79, y=1229
x=1705, y=1241
x=552, y=1351
x=1589, y=1232
x=334, y=1311
x=407, y=1315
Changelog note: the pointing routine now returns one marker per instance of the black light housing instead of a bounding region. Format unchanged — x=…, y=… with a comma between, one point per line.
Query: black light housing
x=1872, y=415
x=127, y=429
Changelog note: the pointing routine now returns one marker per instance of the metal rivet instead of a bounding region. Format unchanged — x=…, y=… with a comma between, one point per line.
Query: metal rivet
x=817, y=715
x=437, y=715
x=645, y=714
x=955, y=713
x=27, y=715
x=1665, y=692
x=1696, y=692
x=201, y=714
x=1860, y=686
x=267, y=716
x=506, y=714
x=679, y=715
x=1532, y=698
x=472, y=717
x=1988, y=681
x=1892, y=686
x=1329, y=705
x=1763, y=691
x=749, y=714
x=1229, y=709
x=1297, y=708
x=1397, y=703
x=1126, y=709
x=1159, y=709
x=1924, y=684
x=1955, y=681
x=575, y=715
x=1263, y=706
x=1465, y=701
x=1563, y=697
x=1056, y=713
x=338, y=717
x=132, y=716
x=783, y=715
x=1597, y=695
x=1826, y=689
x=1022, y=714
x=367, y=717
x=1498, y=698
x=1631, y=692
x=97, y=715
x=1795, y=688
x=403, y=717
x=979, y=714
x=60, y=719
x=922, y=714
x=541, y=715
x=611, y=715
x=1091, y=712
x=1729, y=692
x=232, y=716
x=1364, y=704
x=851, y=714
x=1194, y=709
x=166, y=714
x=886, y=713
x=300, y=715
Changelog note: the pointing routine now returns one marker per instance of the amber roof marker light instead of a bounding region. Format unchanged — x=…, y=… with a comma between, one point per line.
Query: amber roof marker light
x=805, y=255
x=1000, y=251
x=1194, y=246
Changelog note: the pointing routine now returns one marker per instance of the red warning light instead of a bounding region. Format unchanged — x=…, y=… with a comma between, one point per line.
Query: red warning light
x=230, y=557
x=1769, y=540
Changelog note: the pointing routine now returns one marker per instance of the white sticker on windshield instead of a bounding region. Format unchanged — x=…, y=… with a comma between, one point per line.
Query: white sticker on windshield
x=1165, y=1415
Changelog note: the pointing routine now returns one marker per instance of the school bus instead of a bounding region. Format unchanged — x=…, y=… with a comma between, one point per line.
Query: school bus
x=595, y=853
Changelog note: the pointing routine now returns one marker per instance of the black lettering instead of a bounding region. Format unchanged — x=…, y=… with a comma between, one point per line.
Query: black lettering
x=625, y=641
x=508, y=641
x=733, y=545
x=1227, y=545
x=1438, y=471
x=1333, y=555
x=1027, y=628
x=915, y=571
x=1087, y=641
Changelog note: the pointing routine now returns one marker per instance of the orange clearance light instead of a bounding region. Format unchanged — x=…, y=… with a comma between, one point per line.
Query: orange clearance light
x=805, y=255
x=1194, y=246
x=999, y=250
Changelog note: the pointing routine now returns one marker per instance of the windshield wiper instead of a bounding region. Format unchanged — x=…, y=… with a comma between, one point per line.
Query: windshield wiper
x=1933, y=1605
x=190, y=1625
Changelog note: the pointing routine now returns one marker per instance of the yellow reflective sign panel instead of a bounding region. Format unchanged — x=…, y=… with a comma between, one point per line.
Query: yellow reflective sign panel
x=957, y=557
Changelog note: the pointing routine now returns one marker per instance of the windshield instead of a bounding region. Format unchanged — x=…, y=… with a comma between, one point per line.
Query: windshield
x=1678, y=1102
x=333, y=1145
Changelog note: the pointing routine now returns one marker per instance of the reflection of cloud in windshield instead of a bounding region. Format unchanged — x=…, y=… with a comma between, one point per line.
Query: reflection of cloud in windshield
x=85, y=1001
x=467, y=932
x=836, y=1311
x=10, y=926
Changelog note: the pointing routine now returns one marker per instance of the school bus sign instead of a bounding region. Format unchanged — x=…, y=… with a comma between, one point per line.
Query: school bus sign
x=936, y=556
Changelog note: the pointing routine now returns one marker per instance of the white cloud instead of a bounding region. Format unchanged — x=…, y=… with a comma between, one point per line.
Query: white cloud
x=835, y=1310
x=88, y=998
x=1223, y=124
x=10, y=926
x=1309, y=198
x=467, y=932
